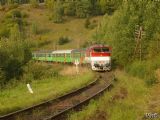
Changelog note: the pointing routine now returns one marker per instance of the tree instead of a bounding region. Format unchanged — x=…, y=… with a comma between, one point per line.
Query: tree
x=34, y=3
x=58, y=12
x=103, y=4
x=69, y=8
x=87, y=23
x=118, y=30
x=15, y=34
x=34, y=28
x=83, y=8
x=50, y=4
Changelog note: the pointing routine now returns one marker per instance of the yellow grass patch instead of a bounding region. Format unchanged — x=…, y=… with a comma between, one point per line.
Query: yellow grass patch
x=71, y=70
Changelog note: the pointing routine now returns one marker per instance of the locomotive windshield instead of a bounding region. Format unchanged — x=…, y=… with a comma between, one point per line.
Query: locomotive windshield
x=97, y=49
x=103, y=49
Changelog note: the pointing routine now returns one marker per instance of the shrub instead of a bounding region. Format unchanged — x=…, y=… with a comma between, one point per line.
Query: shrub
x=87, y=23
x=34, y=28
x=150, y=79
x=2, y=78
x=137, y=68
x=69, y=9
x=4, y=32
x=34, y=3
x=63, y=40
x=144, y=70
x=38, y=71
x=14, y=13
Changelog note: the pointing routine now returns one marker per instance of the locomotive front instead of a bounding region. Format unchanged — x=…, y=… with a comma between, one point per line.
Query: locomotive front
x=100, y=58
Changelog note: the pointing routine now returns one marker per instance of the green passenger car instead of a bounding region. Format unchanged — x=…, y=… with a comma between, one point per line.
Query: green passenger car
x=63, y=56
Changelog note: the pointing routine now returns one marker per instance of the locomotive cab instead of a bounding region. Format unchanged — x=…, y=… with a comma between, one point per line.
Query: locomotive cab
x=100, y=58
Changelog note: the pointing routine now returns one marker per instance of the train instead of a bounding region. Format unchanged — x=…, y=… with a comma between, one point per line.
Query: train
x=98, y=57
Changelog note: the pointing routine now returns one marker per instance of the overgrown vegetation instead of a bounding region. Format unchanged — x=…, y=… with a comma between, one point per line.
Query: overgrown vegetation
x=14, y=48
x=63, y=40
x=47, y=84
x=119, y=30
x=119, y=103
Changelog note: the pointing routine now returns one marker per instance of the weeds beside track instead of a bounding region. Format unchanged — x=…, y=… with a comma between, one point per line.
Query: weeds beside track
x=54, y=109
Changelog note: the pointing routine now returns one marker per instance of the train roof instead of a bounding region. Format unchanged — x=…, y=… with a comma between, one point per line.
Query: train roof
x=43, y=51
x=79, y=50
x=98, y=45
x=61, y=51
x=52, y=51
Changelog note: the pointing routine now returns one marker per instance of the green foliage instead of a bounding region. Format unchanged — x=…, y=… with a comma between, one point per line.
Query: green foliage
x=50, y=4
x=15, y=14
x=13, y=24
x=87, y=23
x=69, y=9
x=44, y=90
x=90, y=24
x=63, y=40
x=120, y=101
x=14, y=55
x=58, y=12
x=119, y=30
x=15, y=33
x=34, y=3
x=145, y=70
x=83, y=9
x=34, y=28
x=138, y=69
x=2, y=77
x=4, y=32
x=38, y=71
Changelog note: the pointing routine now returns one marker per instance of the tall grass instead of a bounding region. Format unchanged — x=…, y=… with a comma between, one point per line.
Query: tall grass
x=18, y=97
x=145, y=70
x=126, y=101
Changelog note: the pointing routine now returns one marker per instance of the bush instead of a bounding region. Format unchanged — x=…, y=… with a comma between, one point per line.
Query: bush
x=4, y=32
x=34, y=3
x=144, y=70
x=150, y=79
x=38, y=71
x=14, y=13
x=13, y=59
x=69, y=9
x=63, y=40
x=87, y=23
x=2, y=78
x=137, y=68
x=34, y=28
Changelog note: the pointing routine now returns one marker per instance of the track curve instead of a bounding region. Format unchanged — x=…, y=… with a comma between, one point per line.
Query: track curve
x=53, y=109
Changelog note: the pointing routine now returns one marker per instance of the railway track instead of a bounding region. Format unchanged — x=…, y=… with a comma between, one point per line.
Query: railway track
x=57, y=108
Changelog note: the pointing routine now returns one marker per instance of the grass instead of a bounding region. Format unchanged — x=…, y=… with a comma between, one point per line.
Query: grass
x=126, y=101
x=18, y=97
x=50, y=32
x=154, y=103
x=72, y=27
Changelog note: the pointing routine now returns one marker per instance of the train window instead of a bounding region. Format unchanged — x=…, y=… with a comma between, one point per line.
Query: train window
x=105, y=49
x=97, y=49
